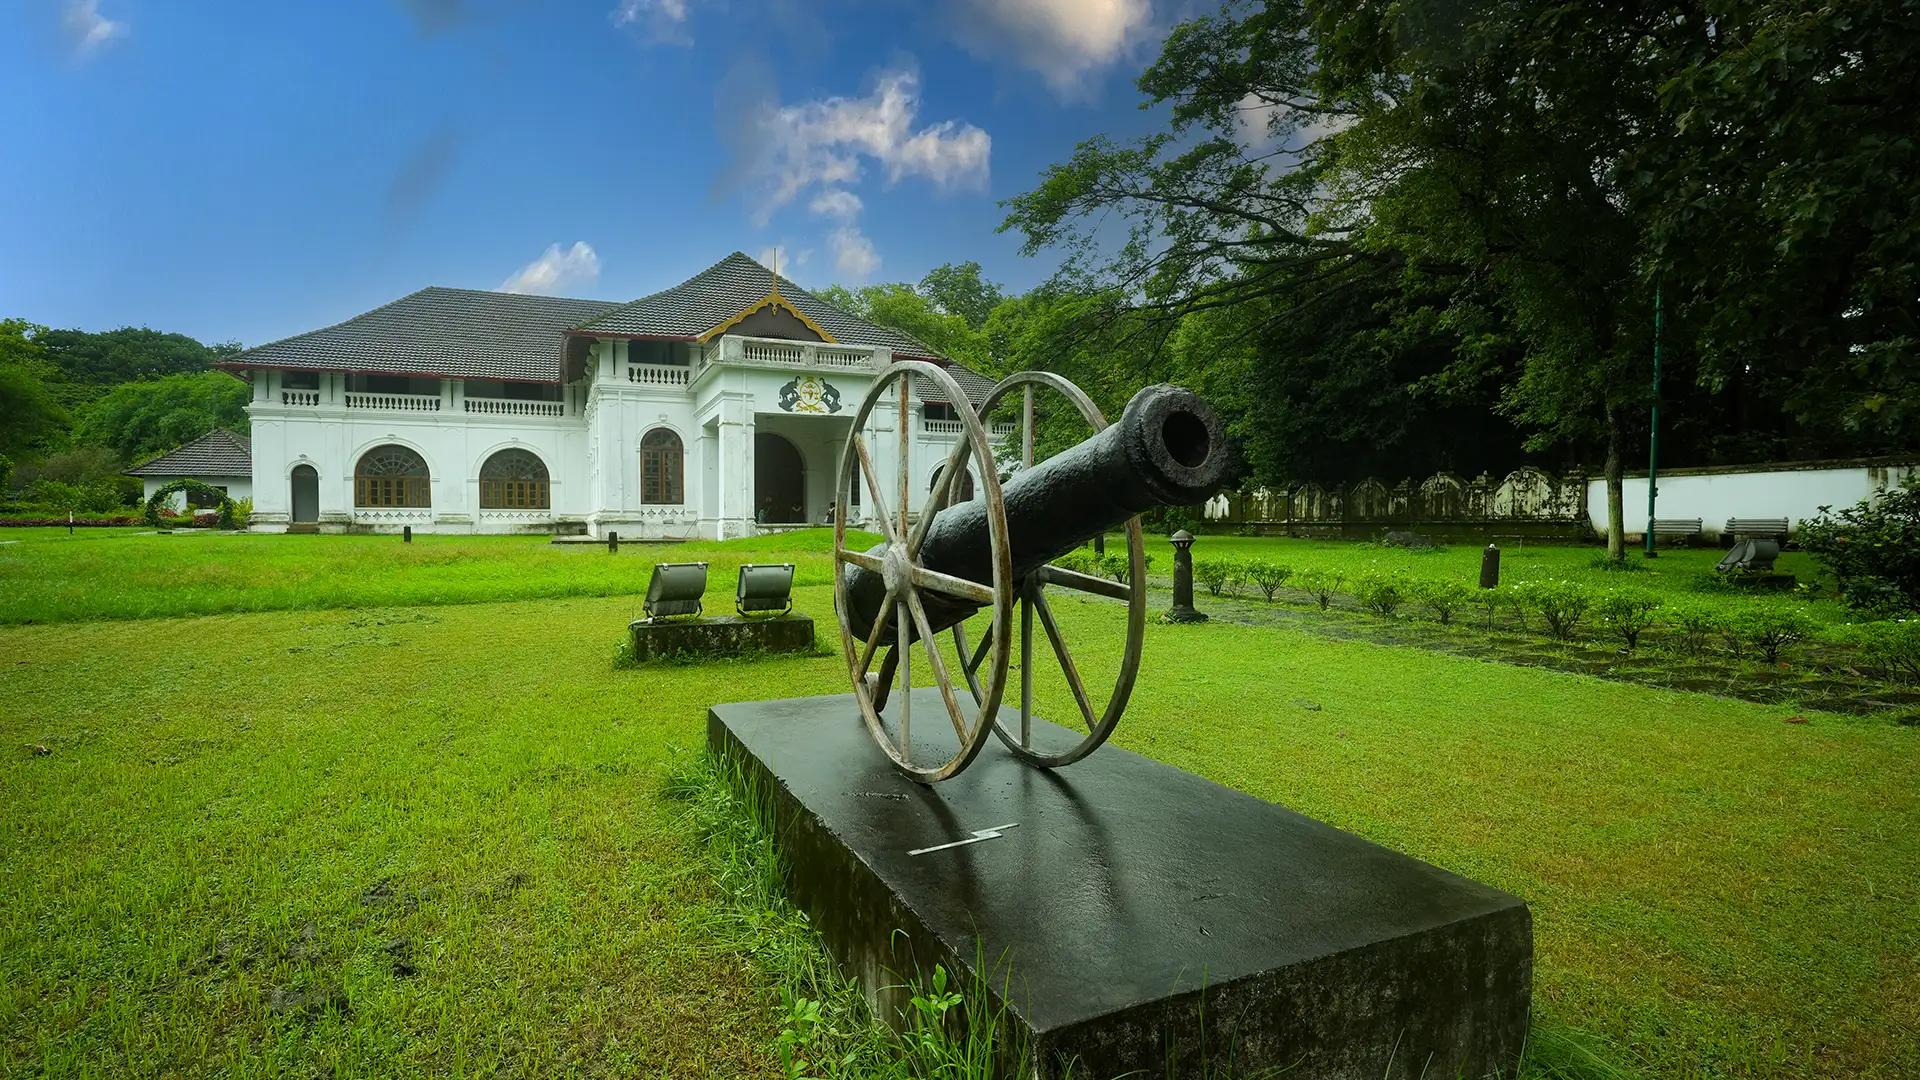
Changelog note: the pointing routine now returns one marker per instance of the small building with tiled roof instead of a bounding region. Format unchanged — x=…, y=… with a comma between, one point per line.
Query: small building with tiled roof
x=718, y=407
x=219, y=459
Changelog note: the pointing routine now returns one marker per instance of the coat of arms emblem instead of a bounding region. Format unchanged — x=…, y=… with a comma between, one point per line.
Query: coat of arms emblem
x=809, y=394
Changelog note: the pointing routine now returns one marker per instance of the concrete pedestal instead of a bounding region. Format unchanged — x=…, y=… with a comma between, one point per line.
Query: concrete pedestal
x=1138, y=917
x=723, y=635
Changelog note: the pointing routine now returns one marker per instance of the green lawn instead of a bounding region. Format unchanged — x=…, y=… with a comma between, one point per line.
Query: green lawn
x=434, y=839
x=135, y=574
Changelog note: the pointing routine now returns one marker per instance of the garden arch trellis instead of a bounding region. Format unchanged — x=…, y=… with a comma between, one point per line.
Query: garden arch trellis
x=223, y=516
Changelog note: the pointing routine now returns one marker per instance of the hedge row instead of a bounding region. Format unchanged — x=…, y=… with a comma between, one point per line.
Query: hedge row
x=1563, y=609
x=88, y=521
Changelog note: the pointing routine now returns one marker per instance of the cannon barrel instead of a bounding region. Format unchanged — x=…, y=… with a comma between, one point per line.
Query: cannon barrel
x=1167, y=449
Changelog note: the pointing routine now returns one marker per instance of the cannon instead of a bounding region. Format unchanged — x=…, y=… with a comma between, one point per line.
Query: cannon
x=993, y=552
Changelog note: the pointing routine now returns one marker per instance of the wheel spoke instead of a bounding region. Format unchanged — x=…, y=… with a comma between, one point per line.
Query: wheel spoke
x=937, y=501
x=1066, y=659
x=939, y=665
x=879, y=631
x=971, y=667
x=952, y=586
x=1029, y=591
x=906, y=445
x=1074, y=579
x=862, y=559
x=873, y=485
x=903, y=648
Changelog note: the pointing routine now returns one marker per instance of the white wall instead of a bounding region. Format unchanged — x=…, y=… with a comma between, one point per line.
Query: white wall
x=1713, y=496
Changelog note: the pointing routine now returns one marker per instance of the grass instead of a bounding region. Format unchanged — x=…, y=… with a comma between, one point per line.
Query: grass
x=133, y=574
x=426, y=839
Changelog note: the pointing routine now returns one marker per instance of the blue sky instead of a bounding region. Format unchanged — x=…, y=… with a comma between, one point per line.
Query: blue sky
x=251, y=170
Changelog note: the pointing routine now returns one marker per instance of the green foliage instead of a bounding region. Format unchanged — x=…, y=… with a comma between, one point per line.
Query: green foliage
x=1561, y=604
x=1627, y=613
x=241, y=515
x=31, y=418
x=1380, y=592
x=158, y=501
x=1322, y=585
x=1696, y=621
x=1492, y=602
x=92, y=497
x=1116, y=565
x=138, y=420
x=962, y=290
x=1767, y=628
x=1872, y=549
x=1213, y=573
x=89, y=363
x=1442, y=598
x=1268, y=575
x=1892, y=647
x=6, y=476
x=904, y=308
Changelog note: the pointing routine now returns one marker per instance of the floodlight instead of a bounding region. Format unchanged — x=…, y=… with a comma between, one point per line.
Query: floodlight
x=1750, y=557
x=764, y=587
x=675, y=589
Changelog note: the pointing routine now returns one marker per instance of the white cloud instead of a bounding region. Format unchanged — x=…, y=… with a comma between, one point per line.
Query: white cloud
x=825, y=143
x=555, y=270
x=837, y=203
x=88, y=28
x=853, y=254
x=1254, y=120
x=666, y=20
x=1064, y=40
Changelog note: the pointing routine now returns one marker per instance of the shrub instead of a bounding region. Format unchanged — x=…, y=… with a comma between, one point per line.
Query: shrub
x=1891, y=648
x=1116, y=566
x=1322, y=585
x=241, y=515
x=1696, y=621
x=1380, y=593
x=6, y=475
x=1872, y=549
x=1212, y=573
x=1268, y=575
x=1770, y=628
x=1562, y=604
x=1491, y=601
x=1626, y=613
x=1442, y=598
x=1079, y=561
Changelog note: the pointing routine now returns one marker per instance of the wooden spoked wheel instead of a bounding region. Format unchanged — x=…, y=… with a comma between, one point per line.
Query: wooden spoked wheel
x=902, y=617
x=1032, y=594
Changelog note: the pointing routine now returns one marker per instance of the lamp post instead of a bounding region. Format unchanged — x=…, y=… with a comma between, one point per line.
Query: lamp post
x=1183, y=610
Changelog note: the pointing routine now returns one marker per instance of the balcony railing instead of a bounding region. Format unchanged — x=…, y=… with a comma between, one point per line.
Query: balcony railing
x=997, y=429
x=395, y=402
x=515, y=407
x=776, y=352
x=657, y=374
x=299, y=397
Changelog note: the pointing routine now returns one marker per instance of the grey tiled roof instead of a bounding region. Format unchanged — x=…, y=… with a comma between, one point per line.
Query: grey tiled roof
x=217, y=453
x=975, y=385
x=727, y=288
x=437, y=332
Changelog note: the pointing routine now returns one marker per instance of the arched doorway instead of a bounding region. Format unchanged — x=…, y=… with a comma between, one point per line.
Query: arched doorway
x=306, y=495
x=391, y=476
x=779, y=481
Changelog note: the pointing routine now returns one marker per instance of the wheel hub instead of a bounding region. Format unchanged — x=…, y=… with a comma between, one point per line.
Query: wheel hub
x=896, y=569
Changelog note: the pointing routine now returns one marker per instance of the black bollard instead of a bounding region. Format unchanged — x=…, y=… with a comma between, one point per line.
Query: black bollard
x=1490, y=567
x=406, y=534
x=613, y=543
x=1100, y=543
x=1183, y=610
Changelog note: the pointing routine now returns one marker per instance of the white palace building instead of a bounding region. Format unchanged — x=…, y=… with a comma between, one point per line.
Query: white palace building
x=716, y=408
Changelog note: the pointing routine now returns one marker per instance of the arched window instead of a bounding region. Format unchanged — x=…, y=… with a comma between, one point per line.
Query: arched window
x=960, y=491
x=514, y=480
x=391, y=476
x=661, y=463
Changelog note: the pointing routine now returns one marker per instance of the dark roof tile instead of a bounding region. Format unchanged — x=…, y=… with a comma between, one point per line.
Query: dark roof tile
x=217, y=453
x=453, y=333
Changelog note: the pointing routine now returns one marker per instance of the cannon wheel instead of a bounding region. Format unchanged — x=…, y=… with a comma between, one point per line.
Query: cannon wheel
x=899, y=566
x=1033, y=601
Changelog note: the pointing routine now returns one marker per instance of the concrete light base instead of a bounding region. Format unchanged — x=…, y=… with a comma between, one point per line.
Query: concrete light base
x=1139, y=917
x=725, y=635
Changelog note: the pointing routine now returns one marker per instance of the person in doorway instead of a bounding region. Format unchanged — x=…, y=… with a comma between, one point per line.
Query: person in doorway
x=765, y=512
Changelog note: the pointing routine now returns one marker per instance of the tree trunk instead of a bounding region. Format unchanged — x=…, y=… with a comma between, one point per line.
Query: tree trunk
x=1616, y=500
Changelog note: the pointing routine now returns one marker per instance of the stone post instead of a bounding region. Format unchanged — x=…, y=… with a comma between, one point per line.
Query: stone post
x=1183, y=610
x=1490, y=567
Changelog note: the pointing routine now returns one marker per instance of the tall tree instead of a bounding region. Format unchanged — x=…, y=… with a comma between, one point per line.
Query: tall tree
x=1324, y=152
x=31, y=420
x=963, y=290
x=139, y=419
x=90, y=363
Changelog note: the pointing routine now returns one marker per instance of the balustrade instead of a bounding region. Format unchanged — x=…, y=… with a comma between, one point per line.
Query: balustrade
x=657, y=375
x=299, y=397
x=515, y=407
x=395, y=402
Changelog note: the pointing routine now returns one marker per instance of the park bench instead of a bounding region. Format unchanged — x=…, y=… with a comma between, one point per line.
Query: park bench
x=1757, y=529
x=1676, y=529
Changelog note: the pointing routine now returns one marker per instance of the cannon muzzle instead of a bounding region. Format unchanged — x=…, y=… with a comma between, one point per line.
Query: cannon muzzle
x=1167, y=449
